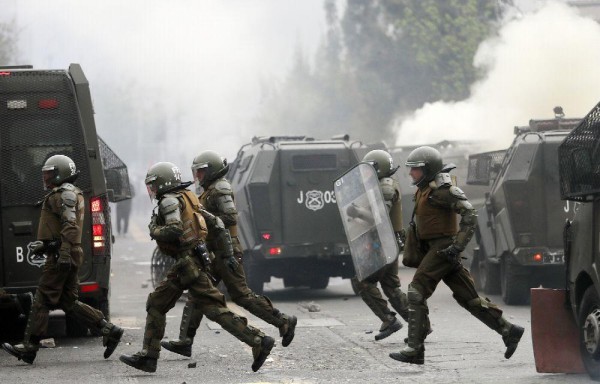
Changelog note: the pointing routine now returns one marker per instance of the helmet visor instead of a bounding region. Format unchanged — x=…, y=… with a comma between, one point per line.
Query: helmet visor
x=152, y=189
x=414, y=164
x=48, y=176
x=199, y=171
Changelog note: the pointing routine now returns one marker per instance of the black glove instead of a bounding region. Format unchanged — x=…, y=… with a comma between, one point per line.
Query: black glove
x=232, y=263
x=63, y=263
x=38, y=248
x=452, y=253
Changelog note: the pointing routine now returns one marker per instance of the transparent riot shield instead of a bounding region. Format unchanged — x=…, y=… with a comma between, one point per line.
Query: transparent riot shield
x=366, y=221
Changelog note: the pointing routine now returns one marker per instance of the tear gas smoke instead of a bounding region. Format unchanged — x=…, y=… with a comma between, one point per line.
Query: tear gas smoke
x=168, y=78
x=546, y=58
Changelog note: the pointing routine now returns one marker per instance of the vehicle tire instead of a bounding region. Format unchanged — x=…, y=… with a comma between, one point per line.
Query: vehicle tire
x=514, y=286
x=489, y=277
x=354, y=285
x=159, y=266
x=291, y=282
x=318, y=282
x=253, y=273
x=74, y=328
x=589, y=332
x=475, y=270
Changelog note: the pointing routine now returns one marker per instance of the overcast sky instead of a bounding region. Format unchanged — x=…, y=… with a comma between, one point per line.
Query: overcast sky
x=203, y=60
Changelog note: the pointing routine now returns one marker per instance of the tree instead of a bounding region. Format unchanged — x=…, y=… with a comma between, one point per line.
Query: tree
x=8, y=43
x=441, y=38
x=381, y=59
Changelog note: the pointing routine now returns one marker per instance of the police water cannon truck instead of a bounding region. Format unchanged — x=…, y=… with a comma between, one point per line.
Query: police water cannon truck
x=288, y=220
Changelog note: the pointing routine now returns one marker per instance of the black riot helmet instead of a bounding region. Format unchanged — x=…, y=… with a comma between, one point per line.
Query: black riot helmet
x=58, y=169
x=163, y=177
x=429, y=160
x=382, y=161
x=209, y=166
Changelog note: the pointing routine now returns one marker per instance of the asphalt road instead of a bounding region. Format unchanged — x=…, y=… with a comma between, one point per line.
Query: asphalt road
x=333, y=345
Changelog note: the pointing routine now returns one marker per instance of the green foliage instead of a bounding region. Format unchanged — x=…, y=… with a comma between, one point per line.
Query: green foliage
x=380, y=60
x=442, y=38
x=8, y=43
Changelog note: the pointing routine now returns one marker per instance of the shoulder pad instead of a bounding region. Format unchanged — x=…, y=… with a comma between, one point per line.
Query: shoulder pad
x=223, y=187
x=388, y=188
x=441, y=179
x=168, y=203
x=457, y=193
x=68, y=198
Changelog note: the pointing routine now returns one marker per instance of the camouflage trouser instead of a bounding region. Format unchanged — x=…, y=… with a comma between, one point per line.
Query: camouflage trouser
x=237, y=287
x=435, y=268
x=58, y=290
x=187, y=274
x=390, y=284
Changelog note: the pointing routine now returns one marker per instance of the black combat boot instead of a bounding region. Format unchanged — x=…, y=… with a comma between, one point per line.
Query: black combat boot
x=181, y=347
x=141, y=361
x=410, y=355
x=261, y=352
x=111, y=336
x=511, y=341
x=27, y=351
x=287, y=330
x=388, y=327
x=414, y=352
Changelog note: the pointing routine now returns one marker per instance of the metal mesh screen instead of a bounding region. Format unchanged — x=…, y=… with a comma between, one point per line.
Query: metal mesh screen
x=484, y=166
x=579, y=159
x=39, y=117
x=115, y=173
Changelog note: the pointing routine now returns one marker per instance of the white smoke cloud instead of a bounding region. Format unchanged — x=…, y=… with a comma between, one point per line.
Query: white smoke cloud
x=546, y=58
x=185, y=67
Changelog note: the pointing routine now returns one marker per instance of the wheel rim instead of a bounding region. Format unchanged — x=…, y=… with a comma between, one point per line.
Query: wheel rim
x=591, y=332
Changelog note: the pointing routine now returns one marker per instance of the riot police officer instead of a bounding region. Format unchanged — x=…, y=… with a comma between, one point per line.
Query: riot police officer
x=440, y=240
x=388, y=275
x=59, y=238
x=209, y=170
x=180, y=229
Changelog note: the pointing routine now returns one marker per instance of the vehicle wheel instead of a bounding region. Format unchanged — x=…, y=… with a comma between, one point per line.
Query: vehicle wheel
x=489, y=277
x=253, y=274
x=291, y=281
x=75, y=328
x=354, y=285
x=514, y=287
x=318, y=282
x=589, y=332
x=159, y=266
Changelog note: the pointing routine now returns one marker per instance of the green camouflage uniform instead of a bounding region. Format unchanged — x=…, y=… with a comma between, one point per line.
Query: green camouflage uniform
x=437, y=230
x=218, y=199
x=59, y=233
x=181, y=225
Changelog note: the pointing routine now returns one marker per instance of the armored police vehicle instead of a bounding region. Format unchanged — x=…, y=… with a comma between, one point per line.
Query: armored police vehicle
x=579, y=163
x=519, y=232
x=288, y=220
x=43, y=113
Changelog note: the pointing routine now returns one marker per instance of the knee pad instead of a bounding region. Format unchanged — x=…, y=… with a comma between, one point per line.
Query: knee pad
x=414, y=295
